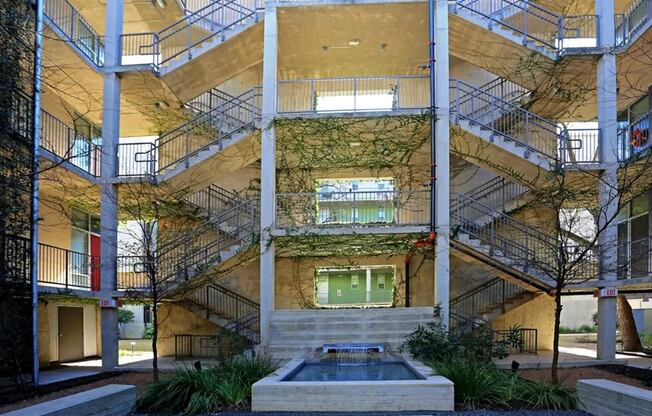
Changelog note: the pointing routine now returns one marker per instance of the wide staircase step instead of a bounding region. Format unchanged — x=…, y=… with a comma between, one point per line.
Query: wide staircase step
x=294, y=333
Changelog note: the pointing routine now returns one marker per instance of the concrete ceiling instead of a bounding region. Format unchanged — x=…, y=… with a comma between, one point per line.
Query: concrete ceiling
x=392, y=40
x=139, y=15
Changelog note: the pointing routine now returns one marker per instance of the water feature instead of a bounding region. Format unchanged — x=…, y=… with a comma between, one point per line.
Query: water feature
x=353, y=362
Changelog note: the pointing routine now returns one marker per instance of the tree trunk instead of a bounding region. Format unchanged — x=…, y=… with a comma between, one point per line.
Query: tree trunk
x=628, y=333
x=555, y=346
x=154, y=339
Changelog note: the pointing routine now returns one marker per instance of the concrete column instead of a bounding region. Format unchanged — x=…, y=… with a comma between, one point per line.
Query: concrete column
x=368, y=286
x=442, y=170
x=268, y=172
x=109, y=192
x=607, y=192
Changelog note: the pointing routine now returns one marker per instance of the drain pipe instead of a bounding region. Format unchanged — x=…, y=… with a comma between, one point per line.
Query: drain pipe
x=433, y=120
x=407, y=279
x=36, y=109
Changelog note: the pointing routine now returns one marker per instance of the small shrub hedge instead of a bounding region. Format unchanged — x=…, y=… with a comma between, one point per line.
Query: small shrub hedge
x=192, y=391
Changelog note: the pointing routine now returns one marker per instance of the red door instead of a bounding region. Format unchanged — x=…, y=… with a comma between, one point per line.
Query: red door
x=95, y=262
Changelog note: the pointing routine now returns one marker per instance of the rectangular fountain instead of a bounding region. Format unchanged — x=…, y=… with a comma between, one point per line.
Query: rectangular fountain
x=353, y=377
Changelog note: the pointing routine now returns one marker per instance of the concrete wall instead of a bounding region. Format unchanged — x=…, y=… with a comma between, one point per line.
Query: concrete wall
x=578, y=310
x=175, y=320
x=135, y=329
x=538, y=313
x=49, y=328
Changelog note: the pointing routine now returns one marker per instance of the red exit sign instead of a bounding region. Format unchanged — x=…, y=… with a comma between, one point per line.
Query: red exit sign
x=606, y=292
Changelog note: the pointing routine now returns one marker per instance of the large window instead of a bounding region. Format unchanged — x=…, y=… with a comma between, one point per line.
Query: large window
x=85, y=242
x=633, y=239
x=354, y=286
x=355, y=201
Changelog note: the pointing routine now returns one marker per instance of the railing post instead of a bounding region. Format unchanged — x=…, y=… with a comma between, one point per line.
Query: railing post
x=223, y=18
x=207, y=303
x=560, y=33
x=313, y=101
x=67, y=254
x=525, y=13
x=187, y=145
x=190, y=38
x=355, y=94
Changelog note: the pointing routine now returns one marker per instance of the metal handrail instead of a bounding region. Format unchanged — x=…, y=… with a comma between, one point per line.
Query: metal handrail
x=497, y=192
x=489, y=295
x=67, y=20
x=180, y=37
x=501, y=117
x=631, y=21
x=177, y=145
x=529, y=336
x=521, y=16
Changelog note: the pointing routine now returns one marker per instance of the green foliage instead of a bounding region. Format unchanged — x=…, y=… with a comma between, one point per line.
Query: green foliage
x=479, y=385
x=433, y=343
x=194, y=391
x=583, y=329
x=125, y=316
x=149, y=332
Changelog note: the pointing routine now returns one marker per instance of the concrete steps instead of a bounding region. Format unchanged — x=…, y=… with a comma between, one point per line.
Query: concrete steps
x=294, y=333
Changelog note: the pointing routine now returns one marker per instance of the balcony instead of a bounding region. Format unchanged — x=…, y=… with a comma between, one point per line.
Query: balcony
x=354, y=209
x=632, y=21
x=354, y=95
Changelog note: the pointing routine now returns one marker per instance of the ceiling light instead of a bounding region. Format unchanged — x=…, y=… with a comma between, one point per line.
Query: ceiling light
x=160, y=3
x=354, y=144
x=353, y=42
x=162, y=105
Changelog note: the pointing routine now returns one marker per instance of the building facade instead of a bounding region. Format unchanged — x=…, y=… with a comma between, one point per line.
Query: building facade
x=254, y=158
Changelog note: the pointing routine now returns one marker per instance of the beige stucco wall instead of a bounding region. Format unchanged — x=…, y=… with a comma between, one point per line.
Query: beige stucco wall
x=538, y=313
x=54, y=227
x=174, y=320
x=48, y=328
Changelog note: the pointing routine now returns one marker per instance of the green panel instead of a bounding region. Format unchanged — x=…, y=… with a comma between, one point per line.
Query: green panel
x=341, y=292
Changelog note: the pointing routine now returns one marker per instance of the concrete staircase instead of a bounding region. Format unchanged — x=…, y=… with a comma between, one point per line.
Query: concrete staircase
x=295, y=333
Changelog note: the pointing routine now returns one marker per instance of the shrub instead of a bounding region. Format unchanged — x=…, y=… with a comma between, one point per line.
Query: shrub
x=476, y=384
x=469, y=339
x=148, y=333
x=484, y=385
x=209, y=390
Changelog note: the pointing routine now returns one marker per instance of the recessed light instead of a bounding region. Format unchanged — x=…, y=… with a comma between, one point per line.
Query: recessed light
x=353, y=42
x=160, y=3
x=354, y=144
x=162, y=105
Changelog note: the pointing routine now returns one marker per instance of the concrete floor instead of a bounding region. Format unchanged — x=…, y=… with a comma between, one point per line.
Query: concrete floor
x=571, y=357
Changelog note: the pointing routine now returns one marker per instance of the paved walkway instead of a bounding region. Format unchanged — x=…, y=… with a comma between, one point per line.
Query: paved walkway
x=571, y=357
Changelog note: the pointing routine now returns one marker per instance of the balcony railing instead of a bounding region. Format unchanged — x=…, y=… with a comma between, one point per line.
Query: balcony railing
x=580, y=146
x=360, y=208
x=629, y=24
x=68, y=269
x=334, y=95
x=66, y=19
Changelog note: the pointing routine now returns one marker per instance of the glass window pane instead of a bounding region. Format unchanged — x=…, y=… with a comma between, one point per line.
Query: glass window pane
x=95, y=224
x=639, y=205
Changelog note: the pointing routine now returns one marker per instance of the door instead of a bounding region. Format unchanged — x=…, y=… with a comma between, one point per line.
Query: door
x=95, y=262
x=71, y=333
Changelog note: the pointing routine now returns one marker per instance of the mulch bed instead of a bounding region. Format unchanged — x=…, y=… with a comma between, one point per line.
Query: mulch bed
x=619, y=373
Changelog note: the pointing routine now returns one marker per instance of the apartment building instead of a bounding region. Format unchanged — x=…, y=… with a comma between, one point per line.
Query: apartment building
x=298, y=134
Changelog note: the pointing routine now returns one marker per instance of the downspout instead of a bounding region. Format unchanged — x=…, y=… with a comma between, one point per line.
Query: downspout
x=36, y=131
x=407, y=280
x=433, y=120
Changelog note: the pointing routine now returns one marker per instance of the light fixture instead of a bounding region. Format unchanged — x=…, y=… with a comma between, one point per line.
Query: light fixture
x=354, y=144
x=162, y=105
x=353, y=42
x=160, y=3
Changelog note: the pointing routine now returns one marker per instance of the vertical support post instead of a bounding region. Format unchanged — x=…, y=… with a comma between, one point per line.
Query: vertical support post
x=368, y=285
x=441, y=168
x=608, y=191
x=268, y=172
x=109, y=192
x=34, y=200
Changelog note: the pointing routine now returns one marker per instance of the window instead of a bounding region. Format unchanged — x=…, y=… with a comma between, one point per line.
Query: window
x=633, y=238
x=381, y=213
x=147, y=314
x=381, y=186
x=354, y=186
x=381, y=281
x=354, y=282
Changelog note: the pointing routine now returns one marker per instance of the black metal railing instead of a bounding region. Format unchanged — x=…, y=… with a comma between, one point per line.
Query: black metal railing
x=68, y=269
x=15, y=252
x=242, y=313
x=520, y=340
x=223, y=346
x=214, y=200
x=486, y=297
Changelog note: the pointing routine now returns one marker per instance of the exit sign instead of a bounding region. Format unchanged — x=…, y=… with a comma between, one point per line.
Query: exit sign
x=109, y=303
x=606, y=292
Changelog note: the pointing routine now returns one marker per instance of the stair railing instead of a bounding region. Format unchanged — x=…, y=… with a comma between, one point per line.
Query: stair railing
x=204, y=130
x=214, y=200
x=505, y=119
x=496, y=193
x=526, y=342
x=485, y=297
x=197, y=27
x=536, y=23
